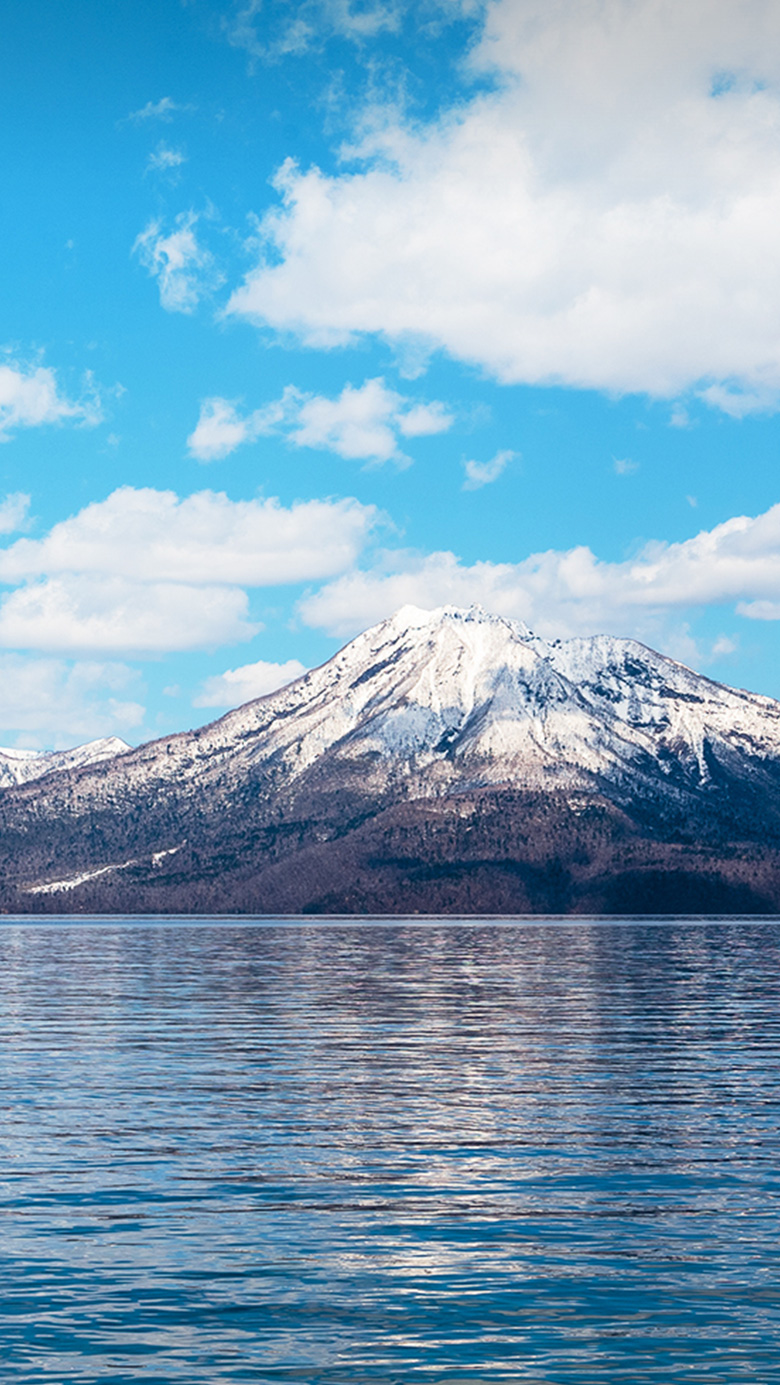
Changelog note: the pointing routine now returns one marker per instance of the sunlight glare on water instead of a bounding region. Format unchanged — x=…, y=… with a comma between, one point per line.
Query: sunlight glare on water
x=390, y=1153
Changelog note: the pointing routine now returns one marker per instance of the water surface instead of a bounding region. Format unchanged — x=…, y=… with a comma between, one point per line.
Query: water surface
x=390, y=1153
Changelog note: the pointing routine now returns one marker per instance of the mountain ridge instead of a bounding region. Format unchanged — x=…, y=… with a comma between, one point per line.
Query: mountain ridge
x=590, y=759
x=20, y=766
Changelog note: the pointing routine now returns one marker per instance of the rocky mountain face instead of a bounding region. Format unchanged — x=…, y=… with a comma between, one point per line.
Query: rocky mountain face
x=443, y=762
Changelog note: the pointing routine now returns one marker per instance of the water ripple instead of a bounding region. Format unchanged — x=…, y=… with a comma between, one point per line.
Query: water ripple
x=389, y=1153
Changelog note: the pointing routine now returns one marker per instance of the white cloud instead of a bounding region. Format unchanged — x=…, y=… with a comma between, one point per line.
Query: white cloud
x=153, y=536
x=361, y=423
x=680, y=418
x=239, y=685
x=484, y=473
x=164, y=109
x=738, y=403
x=108, y=614
x=13, y=512
x=624, y=466
x=30, y=397
x=164, y=159
x=422, y=419
x=359, y=20
x=56, y=704
x=759, y=610
x=184, y=269
x=221, y=429
x=147, y=572
x=574, y=592
x=604, y=217
x=312, y=22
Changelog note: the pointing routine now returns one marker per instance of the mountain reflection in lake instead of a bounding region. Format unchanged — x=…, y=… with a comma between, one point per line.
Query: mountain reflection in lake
x=389, y=1153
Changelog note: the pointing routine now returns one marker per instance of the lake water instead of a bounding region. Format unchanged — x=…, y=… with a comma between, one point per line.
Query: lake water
x=390, y=1153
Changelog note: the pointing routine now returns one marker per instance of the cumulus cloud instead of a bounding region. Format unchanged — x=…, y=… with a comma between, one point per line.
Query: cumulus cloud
x=238, y=685
x=221, y=428
x=362, y=423
x=184, y=269
x=147, y=572
x=574, y=592
x=57, y=704
x=30, y=396
x=154, y=536
x=480, y=474
x=107, y=614
x=604, y=216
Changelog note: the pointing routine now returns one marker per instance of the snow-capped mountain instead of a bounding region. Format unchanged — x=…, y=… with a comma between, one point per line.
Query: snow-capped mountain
x=20, y=766
x=481, y=688
x=474, y=694
x=458, y=729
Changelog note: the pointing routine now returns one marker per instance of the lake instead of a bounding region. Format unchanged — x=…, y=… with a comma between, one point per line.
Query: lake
x=388, y=1152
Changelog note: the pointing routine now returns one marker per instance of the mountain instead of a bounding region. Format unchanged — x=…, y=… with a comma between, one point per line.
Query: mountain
x=444, y=761
x=20, y=766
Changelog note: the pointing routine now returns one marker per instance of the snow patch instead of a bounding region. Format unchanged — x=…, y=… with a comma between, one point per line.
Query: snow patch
x=72, y=882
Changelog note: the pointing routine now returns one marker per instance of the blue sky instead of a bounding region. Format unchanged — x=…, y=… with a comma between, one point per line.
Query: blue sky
x=310, y=310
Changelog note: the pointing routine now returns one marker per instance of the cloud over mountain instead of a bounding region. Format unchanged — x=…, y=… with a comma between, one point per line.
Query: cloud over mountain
x=147, y=571
x=574, y=592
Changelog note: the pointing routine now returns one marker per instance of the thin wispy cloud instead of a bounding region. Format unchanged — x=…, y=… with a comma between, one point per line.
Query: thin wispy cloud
x=479, y=474
x=164, y=109
x=165, y=159
x=273, y=32
x=14, y=510
x=184, y=268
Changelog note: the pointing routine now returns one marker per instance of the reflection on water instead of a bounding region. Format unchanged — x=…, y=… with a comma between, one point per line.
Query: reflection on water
x=388, y=1153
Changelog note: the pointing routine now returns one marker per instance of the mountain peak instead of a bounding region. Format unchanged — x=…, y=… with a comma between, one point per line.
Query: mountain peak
x=411, y=617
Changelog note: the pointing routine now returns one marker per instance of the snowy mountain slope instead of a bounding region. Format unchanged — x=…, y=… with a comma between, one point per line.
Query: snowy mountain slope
x=491, y=697
x=455, y=708
x=20, y=766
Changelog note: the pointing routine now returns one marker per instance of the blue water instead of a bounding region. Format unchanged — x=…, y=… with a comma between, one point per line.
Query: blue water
x=387, y=1153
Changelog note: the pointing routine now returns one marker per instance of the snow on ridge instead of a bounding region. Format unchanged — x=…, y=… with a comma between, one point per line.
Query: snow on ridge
x=409, y=617
x=465, y=681
x=462, y=681
x=21, y=766
x=456, y=687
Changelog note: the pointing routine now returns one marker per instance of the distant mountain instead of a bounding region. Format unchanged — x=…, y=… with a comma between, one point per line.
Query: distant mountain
x=443, y=762
x=20, y=766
